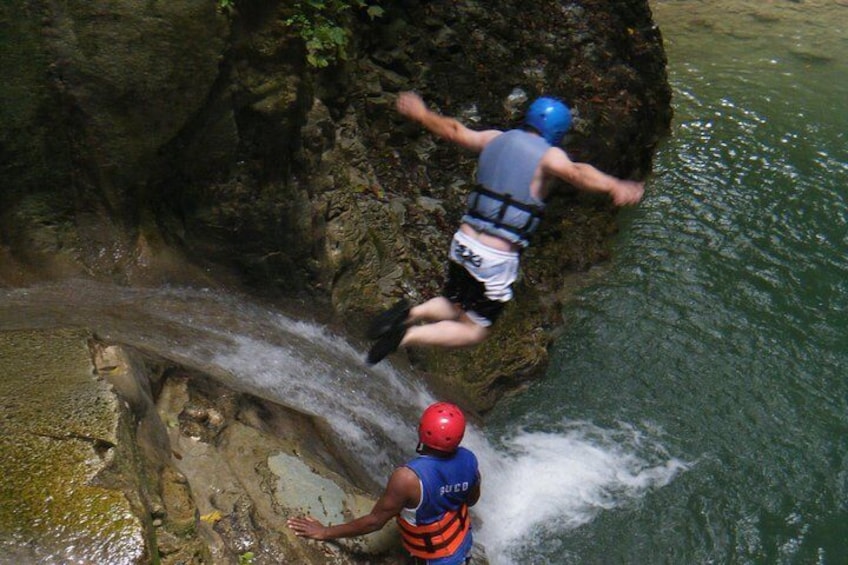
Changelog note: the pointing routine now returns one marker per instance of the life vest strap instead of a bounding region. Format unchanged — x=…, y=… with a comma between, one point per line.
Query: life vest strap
x=420, y=541
x=439, y=525
x=534, y=212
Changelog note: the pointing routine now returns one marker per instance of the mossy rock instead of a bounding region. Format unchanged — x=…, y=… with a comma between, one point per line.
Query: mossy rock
x=60, y=428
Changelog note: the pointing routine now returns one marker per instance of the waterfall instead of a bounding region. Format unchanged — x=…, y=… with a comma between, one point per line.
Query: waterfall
x=534, y=480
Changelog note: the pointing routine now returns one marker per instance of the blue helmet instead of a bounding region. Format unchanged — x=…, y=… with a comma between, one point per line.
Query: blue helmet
x=549, y=117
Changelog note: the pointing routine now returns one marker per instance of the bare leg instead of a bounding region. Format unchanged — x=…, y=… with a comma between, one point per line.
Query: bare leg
x=461, y=332
x=434, y=310
x=446, y=325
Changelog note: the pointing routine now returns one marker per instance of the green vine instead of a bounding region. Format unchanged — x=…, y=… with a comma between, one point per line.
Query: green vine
x=320, y=24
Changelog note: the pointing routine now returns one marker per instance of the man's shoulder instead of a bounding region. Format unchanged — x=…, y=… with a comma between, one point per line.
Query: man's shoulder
x=460, y=453
x=523, y=138
x=466, y=454
x=555, y=155
x=486, y=136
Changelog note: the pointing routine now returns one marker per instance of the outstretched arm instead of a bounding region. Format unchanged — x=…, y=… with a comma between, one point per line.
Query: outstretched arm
x=410, y=105
x=586, y=177
x=402, y=491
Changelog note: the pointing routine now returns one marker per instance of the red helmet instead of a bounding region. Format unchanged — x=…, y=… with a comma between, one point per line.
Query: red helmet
x=442, y=426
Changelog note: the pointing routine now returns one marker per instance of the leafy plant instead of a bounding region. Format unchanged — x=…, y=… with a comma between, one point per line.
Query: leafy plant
x=246, y=558
x=227, y=6
x=320, y=24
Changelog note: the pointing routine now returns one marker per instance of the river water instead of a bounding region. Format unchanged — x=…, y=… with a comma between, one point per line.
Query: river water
x=718, y=333
x=696, y=407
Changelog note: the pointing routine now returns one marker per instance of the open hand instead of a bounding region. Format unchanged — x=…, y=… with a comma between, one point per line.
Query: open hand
x=628, y=192
x=411, y=105
x=307, y=527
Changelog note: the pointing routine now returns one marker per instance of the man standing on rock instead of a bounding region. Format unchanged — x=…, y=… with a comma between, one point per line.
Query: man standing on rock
x=430, y=496
x=515, y=172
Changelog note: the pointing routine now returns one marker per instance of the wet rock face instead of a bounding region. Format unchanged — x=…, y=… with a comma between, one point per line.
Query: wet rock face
x=98, y=98
x=61, y=448
x=240, y=467
x=186, y=127
x=98, y=467
x=483, y=61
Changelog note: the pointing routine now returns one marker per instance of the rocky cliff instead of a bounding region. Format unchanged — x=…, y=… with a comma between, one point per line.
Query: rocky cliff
x=256, y=142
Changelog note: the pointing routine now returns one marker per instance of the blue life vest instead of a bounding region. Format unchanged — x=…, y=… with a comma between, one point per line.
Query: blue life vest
x=501, y=204
x=439, y=530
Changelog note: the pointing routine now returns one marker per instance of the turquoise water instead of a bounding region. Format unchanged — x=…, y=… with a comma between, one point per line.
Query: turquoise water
x=717, y=335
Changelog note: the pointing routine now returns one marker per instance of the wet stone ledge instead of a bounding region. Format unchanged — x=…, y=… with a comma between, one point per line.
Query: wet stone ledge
x=111, y=455
x=59, y=430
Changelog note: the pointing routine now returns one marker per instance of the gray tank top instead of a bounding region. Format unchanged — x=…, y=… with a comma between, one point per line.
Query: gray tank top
x=502, y=205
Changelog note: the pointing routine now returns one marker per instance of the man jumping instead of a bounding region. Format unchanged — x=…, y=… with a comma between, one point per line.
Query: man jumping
x=516, y=169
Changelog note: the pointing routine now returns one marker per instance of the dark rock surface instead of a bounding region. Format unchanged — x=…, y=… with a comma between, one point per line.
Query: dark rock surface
x=180, y=143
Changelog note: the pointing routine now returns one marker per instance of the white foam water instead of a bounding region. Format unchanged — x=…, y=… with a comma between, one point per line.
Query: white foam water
x=538, y=482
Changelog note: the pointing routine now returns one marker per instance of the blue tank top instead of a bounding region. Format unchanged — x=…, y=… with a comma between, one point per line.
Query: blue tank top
x=445, y=483
x=445, y=486
x=502, y=204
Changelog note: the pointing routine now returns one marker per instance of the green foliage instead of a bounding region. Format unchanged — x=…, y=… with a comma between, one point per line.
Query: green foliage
x=227, y=6
x=320, y=24
x=246, y=558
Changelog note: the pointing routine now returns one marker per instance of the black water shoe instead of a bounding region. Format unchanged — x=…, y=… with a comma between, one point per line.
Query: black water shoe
x=391, y=319
x=386, y=344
